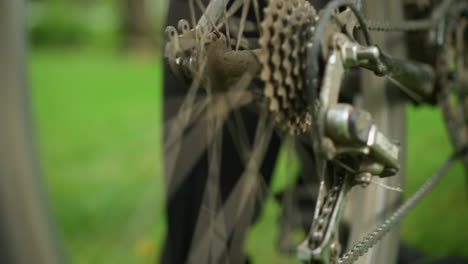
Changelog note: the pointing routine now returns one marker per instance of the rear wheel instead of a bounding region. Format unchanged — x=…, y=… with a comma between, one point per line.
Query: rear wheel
x=225, y=217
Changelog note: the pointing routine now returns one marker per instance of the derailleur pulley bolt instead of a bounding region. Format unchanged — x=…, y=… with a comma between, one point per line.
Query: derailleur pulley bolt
x=363, y=178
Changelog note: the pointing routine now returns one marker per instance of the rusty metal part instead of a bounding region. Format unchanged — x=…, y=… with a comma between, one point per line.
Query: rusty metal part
x=189, y=50
x=225, y=66
x=286, y=29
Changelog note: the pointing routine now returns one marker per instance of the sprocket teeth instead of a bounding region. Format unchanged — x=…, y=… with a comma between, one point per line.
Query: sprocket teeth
x=274, y=105
x=269, y=90
x=286, y=28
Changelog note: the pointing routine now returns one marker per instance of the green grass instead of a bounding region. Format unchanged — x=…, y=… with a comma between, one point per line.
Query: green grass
x=436, y=225
x=98, y=115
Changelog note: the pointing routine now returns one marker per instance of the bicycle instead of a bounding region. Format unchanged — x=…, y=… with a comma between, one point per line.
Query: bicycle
x=303, y=56
x=337, y=133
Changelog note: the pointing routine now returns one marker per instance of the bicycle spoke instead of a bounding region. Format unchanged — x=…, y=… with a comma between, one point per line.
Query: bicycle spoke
x=192, y=13
x=257, y=13
x=212, y=191
x=218, y=223
x=239, y=135
x=202, y=7
x=196, y=138
x=228, y=33
x=212, y=200
x=179, y=126
x=234, y=7
x=245, y=11
x=240, y=201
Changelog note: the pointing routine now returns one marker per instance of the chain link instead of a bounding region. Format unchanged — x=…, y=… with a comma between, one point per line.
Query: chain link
x=325, y=212
x=387, y=26
x=411, y=25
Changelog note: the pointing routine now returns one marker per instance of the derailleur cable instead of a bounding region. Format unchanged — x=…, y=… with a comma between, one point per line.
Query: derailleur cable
x=371, y=239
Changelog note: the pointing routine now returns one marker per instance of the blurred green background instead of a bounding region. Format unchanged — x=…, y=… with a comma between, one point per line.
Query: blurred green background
x=95, y=75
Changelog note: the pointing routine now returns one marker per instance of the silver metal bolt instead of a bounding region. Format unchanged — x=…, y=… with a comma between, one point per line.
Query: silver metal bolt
x=363, y=178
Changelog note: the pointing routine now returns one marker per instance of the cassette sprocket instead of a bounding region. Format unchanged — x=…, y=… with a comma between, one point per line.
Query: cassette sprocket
x=286, y=29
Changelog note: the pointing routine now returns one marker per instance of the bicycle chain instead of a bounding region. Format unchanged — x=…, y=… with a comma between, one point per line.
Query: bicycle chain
x=387, y=26
x=414, y=25
x=325, y=214
x=324, y=217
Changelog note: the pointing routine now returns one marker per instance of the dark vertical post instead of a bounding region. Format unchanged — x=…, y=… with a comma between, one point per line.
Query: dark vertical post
x=136, y=25
x=25, y=233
